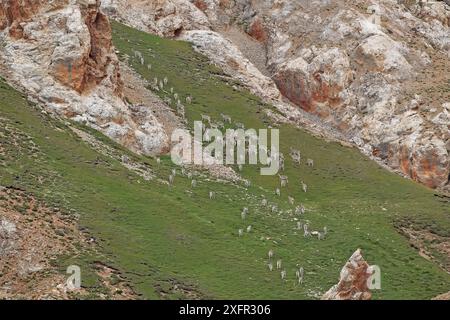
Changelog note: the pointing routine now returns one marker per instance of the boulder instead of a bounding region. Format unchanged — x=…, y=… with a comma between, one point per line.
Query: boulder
x=353, y=280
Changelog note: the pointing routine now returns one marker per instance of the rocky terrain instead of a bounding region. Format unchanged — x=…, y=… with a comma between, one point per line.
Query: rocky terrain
x=33, y=237
x=60, y=53
x=370, y=74
x=352, y=281
x=375, y=72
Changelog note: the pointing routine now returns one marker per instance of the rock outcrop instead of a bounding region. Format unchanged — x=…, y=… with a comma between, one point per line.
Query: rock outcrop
x=444, y=296
x=373, y=70
x=60, y=53
x=353, y=280
x=166, y=18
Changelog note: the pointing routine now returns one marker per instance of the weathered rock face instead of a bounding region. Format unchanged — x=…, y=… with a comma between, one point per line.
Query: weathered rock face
x=353, y=281
x=60, y=53
x=80, y=60
x=163, y=17
x=374, y=70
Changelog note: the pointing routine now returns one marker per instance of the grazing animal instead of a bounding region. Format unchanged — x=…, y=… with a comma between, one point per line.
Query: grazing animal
x=325, y=230
x=225, y=118
x=278, y=192
x=189, y=175
x=181, y=111
x=270, y=254
x=174, y=172
x=188, y=99
x=310, y=163
x=249, y=229
x=283, y=274
x=171, y=179
x=194, y=183
x=171, y=90
x=274, y=209
x=279, y=262
x=206, y=118
x=264, y=202
x=149, y=67
x=270, y=265
x=158, y=160
x=300, y=210
x=161, y=85
x=299, y=225
x=220, y=125
x=175, y=96
x=212, y=195
x=165, y=80
x=168, y=101
x=301, y=274
x=306, y=232
x=241, y=232
x=320, y=236
x=248, y=183
x=291, y=200
x=284, y=180
x=304, y=187
x=125, y=159
x=295, y=155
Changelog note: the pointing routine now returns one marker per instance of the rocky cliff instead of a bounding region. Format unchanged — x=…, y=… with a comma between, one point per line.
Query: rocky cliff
x=375, y=71
x=60, y=53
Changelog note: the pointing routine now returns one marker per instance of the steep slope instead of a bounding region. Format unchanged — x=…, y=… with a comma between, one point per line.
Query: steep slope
x=375, y=71
x=60, y=54
x=171, y=242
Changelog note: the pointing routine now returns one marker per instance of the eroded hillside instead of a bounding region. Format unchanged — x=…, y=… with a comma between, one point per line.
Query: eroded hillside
x=376, y=72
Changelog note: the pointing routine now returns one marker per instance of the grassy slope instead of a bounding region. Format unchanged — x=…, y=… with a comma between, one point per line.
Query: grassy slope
x=159, y=236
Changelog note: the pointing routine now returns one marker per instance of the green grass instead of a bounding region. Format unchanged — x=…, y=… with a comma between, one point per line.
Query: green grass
x=160, y=236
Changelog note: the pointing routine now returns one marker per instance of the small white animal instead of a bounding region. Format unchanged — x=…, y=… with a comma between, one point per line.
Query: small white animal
x=291, y=200
x=279, y=262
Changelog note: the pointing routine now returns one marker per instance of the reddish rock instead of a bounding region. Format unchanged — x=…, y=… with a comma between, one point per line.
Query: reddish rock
x=14, y=12
x=80, y=72
x=257, y=31
x=99, y=57
x=201, y=5
x=353, y=281
x=316, y=87
x=428, y=168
